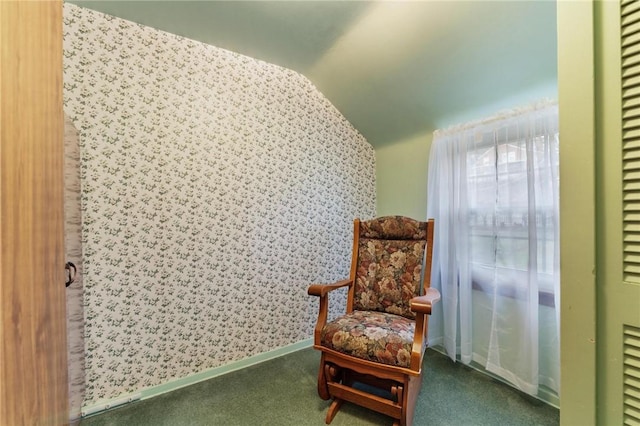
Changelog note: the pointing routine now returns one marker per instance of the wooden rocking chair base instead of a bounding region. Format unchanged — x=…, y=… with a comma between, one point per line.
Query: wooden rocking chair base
x=337, y=382
x=333, y=410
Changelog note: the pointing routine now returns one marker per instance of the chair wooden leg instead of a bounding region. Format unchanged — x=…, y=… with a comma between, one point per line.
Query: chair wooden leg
x=411, y=393
x=333, y=409
x=323, y=389
x=331, y=375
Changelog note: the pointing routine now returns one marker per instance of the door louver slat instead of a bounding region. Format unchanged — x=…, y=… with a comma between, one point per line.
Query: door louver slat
x=630, y=61
x=630, y=92
x=628, y=6
x=633, y=70
x=631, y=155
x=629, y=105
x=630, y=25
x=631, y=375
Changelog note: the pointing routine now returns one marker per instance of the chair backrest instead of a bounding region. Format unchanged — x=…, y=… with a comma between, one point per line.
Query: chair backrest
x=391, y=264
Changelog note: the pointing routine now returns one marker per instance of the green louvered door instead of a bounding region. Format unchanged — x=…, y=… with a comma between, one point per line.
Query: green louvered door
x=617, y=30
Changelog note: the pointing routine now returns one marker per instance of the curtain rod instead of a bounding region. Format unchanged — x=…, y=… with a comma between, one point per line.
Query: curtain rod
x=501, y=115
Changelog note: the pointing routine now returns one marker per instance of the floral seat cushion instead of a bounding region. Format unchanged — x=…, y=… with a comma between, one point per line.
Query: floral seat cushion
x=375, y=336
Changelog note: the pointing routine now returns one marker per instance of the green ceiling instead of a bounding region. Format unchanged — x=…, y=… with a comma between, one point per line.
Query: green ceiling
x=394, y=69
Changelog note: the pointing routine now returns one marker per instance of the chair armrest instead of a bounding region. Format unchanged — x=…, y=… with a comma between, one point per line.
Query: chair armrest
x=321, y=290
x=423, y=304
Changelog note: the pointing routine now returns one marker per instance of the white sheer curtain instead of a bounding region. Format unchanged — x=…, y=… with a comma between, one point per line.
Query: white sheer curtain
x=493, y=191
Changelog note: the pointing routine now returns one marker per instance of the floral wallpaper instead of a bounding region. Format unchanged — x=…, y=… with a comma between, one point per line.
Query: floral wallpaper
x=73, y=249
x=215, y=188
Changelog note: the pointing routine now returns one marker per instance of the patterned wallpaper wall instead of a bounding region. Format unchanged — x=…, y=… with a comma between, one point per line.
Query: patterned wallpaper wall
x=73, y=251
x=215, y=189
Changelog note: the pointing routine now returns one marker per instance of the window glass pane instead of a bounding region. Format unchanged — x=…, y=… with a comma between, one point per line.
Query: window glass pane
x=504, y=202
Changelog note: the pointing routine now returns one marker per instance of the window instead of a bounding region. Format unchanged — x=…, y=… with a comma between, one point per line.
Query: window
x=500, y=215
x=493, y=192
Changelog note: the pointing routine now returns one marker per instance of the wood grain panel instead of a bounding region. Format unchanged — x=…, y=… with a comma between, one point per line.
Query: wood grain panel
x=33, y=371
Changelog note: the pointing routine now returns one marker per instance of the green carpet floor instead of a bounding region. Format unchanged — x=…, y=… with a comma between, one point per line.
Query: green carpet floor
x=283, y=392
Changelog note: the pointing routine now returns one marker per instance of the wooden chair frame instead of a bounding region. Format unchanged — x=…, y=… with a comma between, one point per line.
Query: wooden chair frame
x=338, y=371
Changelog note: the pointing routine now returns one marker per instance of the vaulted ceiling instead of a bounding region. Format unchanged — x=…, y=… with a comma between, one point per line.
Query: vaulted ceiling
x=394, y=69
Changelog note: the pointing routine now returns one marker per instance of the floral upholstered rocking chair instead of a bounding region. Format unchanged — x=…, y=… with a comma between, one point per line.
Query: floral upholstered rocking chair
x=380, y=341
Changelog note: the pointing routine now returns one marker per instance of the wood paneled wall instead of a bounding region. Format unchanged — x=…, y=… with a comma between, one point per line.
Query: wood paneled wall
x=33, y=370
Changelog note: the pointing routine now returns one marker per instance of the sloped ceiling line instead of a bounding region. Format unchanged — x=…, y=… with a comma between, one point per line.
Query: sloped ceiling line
x=394, y=69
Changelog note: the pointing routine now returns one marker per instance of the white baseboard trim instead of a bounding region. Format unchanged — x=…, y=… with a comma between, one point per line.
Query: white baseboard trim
x=107, y=405
x=194, y=378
